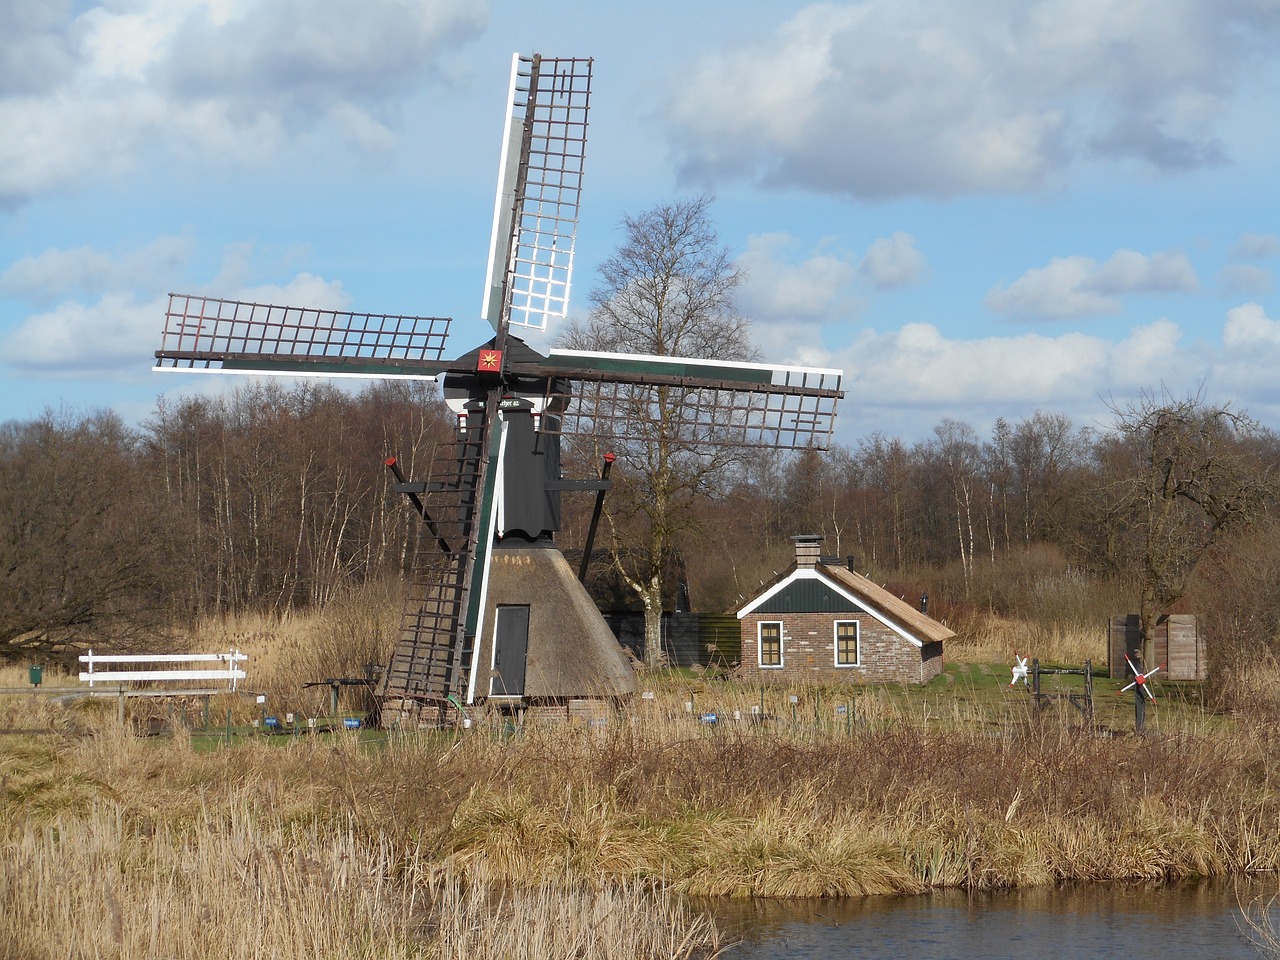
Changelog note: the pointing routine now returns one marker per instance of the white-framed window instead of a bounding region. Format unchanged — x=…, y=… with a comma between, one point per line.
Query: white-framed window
x=848, y=652
x=769, y=643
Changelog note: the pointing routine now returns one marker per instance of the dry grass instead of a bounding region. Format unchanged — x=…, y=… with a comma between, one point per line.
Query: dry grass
x=113, y=845
x=993, y=639
x=667, y=802
x=410, y=844
x=239, y=883
x=355, y=632
x=1262, y=921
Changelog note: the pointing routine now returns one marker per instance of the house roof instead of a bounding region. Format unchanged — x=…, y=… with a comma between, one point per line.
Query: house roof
x=921, y=624
x=917, y=627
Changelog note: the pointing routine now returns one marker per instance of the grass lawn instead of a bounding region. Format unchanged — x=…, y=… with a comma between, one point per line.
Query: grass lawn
x=966, y=695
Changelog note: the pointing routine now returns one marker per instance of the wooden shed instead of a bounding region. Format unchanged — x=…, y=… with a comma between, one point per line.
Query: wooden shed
x=824, y=622
x=1179, y=646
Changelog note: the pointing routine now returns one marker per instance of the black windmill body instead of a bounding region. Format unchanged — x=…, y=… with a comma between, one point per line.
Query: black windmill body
x=493, y=610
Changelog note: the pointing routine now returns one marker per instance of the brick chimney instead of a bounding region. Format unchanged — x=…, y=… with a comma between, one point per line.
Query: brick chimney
x=808, y=550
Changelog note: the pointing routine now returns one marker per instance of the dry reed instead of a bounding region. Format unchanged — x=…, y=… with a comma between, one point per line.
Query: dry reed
x=1262, y=923
x=407, y=845
x=240, y=883
x=990, y=638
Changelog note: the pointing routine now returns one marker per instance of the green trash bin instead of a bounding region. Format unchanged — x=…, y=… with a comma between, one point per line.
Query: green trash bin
x=36, y=673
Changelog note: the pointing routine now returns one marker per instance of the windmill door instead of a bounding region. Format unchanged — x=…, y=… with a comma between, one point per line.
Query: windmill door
x=510, y=646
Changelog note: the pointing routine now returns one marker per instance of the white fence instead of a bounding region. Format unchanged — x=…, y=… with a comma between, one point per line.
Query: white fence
x=231, y=671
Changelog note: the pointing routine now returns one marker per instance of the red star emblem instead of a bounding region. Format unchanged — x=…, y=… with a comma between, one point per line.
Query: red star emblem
x=490, y=361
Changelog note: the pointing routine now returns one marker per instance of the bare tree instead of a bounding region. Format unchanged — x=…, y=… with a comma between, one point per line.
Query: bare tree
x=280, y=498
x=887, y=469
x=1046, y=450
x=83, y=557
x=667, y=291
x=1179, y=475
x=1235, y=597
x=956, y=449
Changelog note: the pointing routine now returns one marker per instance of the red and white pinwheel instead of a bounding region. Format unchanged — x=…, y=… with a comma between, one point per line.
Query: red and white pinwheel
x=1139, y=680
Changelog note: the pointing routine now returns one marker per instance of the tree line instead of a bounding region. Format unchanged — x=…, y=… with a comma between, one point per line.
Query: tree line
x=267, y=498
x=273, y=498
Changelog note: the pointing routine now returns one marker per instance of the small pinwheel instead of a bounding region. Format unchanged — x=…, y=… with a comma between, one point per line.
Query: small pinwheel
x=1139, y=681
x=1019, y=672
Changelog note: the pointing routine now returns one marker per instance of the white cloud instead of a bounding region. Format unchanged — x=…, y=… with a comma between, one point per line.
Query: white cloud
x=792, y=342
x=1256, y=246
x=1251, y=355
x=896, y=381
x=363, y=129
x=304, y=290
x=888, y=98
x=57, y=274
x=892, y=262
x=1080, y=286
x=232, y=80
x=900, y=382
x=1130, y=272
x=918, y=366
x=113, y=337
x=1246, y=279
x=778, y=287
x=33, y=55
x=1151, y=355
x=784, y=285
x=1248, y=328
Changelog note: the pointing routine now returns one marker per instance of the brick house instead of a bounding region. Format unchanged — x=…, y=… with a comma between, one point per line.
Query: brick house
x=823, y=621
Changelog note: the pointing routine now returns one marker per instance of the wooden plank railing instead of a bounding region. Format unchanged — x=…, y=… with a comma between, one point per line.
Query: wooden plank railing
x=231, y=669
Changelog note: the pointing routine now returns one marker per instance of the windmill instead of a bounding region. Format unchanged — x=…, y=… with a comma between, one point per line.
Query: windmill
x=492, y=610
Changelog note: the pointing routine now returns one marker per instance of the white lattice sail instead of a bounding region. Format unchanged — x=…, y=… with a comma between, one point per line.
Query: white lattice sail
x=535, y=217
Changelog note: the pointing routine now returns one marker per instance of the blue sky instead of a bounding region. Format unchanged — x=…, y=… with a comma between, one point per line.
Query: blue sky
x=976, y=210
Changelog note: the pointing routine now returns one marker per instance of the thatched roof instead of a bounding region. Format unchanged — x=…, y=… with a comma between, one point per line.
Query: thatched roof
x=892, y=607
x=572, y=651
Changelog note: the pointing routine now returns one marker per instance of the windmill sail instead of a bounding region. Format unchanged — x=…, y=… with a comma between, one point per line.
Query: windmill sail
x=209, y=335
x=703, y=402
x=535, y=217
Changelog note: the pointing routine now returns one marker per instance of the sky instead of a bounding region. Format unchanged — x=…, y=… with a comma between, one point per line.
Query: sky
x=976, y=210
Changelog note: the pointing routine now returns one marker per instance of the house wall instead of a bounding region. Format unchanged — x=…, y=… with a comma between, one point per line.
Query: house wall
x=808, y=651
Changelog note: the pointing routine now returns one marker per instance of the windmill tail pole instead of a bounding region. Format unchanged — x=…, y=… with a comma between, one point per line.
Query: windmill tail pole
x=418, y=505
x=595, y=519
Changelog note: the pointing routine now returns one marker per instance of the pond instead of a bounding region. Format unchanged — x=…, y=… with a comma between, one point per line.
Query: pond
x=1201, y=921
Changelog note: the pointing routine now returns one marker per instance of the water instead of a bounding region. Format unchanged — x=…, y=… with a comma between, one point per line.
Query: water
x=1201, y=921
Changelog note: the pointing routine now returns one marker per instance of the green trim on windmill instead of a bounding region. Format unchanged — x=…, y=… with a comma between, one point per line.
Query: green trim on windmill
x=338, y=366
x=660, y=366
